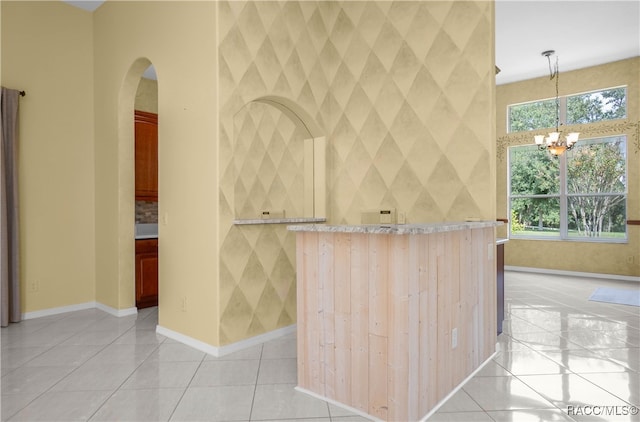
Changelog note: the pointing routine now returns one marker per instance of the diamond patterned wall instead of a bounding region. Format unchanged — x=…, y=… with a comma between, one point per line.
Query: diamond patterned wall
x=266, y=49
x=411, y=97
x=403, y=92
x=269, y=162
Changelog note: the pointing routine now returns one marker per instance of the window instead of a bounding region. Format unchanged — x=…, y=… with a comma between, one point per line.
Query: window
x=590, y=107
x=609, y=104
x=579, y=195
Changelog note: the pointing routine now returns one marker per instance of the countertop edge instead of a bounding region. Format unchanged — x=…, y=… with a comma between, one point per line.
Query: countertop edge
x=396, y=228
x=295, y=220
x=146, y=236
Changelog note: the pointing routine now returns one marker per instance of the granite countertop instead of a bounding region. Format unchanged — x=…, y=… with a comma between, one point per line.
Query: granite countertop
x=295, y=220
x=397, y=228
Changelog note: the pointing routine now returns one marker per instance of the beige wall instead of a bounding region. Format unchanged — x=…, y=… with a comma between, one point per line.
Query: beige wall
x=404, y=93
x=147, y=96
x=175, y=37
x=607, y=258
x=47, y=51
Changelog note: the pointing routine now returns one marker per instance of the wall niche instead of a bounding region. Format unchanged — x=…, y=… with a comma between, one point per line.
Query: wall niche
x=279, y=165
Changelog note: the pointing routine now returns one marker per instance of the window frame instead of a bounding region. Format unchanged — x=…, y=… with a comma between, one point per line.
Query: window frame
x=563, y=196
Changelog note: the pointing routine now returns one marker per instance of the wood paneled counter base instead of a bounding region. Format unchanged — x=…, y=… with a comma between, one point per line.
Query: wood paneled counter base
x=391, y=319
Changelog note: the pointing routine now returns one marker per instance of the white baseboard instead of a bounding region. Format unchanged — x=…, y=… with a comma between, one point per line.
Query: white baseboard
x=572, y=273
x=58, y=310
x=253, y=341
x=338, y=404
x=230, y=348
x=116, y=312
x=457, y=388
x=79, y=307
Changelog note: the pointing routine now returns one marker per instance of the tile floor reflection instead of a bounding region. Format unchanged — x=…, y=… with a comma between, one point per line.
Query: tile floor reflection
x=557, y=350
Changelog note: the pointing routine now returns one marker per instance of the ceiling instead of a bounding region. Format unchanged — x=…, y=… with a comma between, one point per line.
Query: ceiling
x=582, y=32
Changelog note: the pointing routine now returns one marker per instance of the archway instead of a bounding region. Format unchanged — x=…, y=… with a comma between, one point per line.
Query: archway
x=126, y=182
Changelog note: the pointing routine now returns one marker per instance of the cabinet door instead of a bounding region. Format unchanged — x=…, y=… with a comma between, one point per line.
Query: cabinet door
x=146, y=151
x=146, y=273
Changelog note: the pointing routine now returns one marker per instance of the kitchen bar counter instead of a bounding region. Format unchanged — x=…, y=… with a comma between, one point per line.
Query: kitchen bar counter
x=391, y=319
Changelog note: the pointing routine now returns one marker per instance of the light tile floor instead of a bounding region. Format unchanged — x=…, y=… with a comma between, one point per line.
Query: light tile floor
x=558, y=350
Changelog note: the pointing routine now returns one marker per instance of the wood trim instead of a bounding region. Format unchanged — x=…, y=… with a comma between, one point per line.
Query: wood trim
x=633, y=222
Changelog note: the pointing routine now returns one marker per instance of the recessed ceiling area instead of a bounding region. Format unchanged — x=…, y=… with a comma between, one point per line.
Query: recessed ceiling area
x=582, y=32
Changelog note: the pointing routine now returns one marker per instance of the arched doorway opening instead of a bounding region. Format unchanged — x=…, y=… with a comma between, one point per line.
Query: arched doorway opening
x=138, y=185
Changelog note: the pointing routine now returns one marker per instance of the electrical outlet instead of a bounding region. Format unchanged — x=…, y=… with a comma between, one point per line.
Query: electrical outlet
x=34, y=286
x=454, y=338
x=630, y=259
x=490, y=248
x=385, y=216
x=388, y=216
x=267, y=214
x=184, y=304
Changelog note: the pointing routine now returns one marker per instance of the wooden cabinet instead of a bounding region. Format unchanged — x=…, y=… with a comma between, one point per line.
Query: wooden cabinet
x=146, y=273
x=146, y=155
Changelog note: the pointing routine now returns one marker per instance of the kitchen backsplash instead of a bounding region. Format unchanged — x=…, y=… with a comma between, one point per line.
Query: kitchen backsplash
x=146, y=212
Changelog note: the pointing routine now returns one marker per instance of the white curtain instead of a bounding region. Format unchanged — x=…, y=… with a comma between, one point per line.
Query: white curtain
x=9, y=247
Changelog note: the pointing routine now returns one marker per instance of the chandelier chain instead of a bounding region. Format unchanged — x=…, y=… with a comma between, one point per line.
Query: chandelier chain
x=553, y=73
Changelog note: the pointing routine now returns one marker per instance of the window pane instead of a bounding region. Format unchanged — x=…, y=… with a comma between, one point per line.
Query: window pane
x=597, y=106
x=597, y=216
x=533, y=172
x=532, y=116
x=597, y=166
x=535, y=217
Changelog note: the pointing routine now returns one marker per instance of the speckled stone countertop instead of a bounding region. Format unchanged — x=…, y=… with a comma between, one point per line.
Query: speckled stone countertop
x=256, y=221
x=397, y=228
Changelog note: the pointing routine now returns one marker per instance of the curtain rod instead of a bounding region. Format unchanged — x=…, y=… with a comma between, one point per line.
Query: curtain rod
x=22, y=93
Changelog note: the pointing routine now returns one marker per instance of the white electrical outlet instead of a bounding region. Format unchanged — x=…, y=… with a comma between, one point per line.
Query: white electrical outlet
x=490, y=248
x=454, y=338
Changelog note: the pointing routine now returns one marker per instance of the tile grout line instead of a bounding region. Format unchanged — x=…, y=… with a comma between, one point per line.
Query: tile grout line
x=255, y=386
x=204, y=357
x=59, y=344
x=133, y=327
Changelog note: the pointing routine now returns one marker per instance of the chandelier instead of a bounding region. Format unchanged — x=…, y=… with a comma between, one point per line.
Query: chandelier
x=553, y=143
